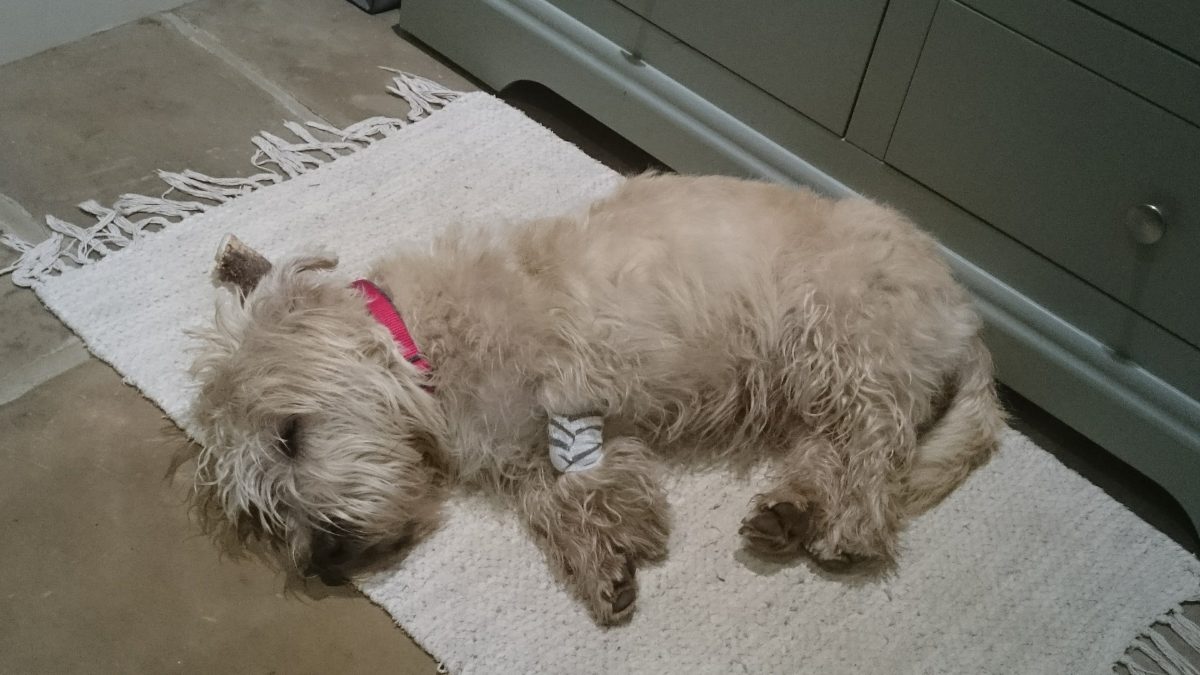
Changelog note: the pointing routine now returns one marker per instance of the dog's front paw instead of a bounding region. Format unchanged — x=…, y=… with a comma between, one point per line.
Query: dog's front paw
x=597, y=526
x=601, y=575
x=599, y=564
x=777, y=529
x=609, y=595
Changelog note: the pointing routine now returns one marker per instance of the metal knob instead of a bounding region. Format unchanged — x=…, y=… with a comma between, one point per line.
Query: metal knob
x=1145, y=223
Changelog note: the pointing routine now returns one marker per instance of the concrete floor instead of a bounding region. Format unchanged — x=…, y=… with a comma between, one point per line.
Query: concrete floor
x=102, y=571
x=101, y=568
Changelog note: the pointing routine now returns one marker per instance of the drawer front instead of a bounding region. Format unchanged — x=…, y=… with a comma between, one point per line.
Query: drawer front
x=810, y=54
x=1105, y=47
x=1174, y=23
x=1056, y=157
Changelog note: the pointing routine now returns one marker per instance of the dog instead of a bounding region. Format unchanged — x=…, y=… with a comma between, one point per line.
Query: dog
x=694, y=317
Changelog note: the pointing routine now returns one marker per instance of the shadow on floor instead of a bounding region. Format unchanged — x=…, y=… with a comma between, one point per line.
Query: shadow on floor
x=580, y=129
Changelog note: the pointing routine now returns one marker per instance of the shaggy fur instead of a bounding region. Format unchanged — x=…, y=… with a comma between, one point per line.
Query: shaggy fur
x=744, y=319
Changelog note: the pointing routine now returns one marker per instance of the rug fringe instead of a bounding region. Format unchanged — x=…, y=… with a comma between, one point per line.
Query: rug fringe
x=1133, y=668
x=1155, y=646
x=1185, y=628
x=423, y=96
x=132, y=216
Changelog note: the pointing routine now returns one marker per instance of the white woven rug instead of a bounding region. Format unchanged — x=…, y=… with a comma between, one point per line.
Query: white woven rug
x=1027, y=568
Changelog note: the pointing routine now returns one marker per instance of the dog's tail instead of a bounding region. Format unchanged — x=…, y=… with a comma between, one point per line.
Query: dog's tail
x=962, y=438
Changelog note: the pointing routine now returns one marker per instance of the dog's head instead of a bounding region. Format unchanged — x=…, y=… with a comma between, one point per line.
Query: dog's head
x=316, y=435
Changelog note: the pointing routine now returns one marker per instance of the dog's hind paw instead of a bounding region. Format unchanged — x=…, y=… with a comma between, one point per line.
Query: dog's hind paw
x=836, y=559
x=778, y=529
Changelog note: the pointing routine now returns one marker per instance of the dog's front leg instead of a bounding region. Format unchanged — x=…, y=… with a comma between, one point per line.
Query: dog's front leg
x=598, y=524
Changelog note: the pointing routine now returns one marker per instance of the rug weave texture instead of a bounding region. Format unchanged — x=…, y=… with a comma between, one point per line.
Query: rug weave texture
x=1026, y=568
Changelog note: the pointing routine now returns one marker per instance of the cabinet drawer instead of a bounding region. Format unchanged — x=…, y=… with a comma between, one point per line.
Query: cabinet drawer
x=810, y=54
x=1056, y=157
x=1174, y=23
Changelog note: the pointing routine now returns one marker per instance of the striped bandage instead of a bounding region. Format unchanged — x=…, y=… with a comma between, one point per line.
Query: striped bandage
x=576, y=442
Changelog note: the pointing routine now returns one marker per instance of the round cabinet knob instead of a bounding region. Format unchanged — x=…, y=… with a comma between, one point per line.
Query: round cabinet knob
x=1145, y=223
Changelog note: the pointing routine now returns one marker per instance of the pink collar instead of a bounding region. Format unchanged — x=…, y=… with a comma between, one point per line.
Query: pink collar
x=380, y=306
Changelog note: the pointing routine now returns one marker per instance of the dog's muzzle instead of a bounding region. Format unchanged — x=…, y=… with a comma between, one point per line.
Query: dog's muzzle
x=330, y=553
x=335, y=557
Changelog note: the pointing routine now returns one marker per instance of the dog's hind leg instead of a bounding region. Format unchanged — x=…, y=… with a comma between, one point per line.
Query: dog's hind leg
x=783, y=521
x=596, y=526
x=836, y=495
x=833, y=499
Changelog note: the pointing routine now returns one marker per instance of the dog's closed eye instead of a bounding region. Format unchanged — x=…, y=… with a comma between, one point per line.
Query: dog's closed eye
x=289, y=437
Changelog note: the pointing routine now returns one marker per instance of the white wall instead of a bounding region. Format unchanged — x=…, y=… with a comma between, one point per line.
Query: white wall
x=29, y=26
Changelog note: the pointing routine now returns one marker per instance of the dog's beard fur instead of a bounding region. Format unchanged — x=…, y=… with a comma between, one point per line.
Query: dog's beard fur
x=742, y=317
x=318, y=437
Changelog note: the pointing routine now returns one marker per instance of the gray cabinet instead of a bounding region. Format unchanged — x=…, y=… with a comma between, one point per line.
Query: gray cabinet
x=1057, y=157
x=810, y=54
x=1022, y=133
x=1174, y=23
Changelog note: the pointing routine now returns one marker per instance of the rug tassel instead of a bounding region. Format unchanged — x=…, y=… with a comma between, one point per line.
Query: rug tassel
x=218, y=190
x=330, y=149
x=1148, y=648
x=158, y=210
x=1134, y=669
x=364, y=131
x=274, y=150
x=1179, y=662
x=1155, y=645
x=36, y=260
x=85, y=244
x=295, y=158
x=114, y=228
x=423, y=96
x=1186, y=629
x=112, y=220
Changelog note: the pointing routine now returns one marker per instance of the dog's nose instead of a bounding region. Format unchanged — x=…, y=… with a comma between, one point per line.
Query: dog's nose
x=329, y=577
x=330, y=553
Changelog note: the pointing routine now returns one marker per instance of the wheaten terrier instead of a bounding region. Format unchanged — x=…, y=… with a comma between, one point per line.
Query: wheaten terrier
x=678, y=316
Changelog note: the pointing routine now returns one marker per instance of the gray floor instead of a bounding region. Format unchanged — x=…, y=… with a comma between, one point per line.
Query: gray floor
x=101, y=569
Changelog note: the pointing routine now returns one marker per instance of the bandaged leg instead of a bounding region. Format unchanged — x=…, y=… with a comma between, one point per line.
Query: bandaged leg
x=598, y=526
x=576, y=441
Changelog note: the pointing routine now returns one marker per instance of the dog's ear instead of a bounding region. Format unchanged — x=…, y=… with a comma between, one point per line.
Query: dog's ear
x=314, y=263
x=240, y=265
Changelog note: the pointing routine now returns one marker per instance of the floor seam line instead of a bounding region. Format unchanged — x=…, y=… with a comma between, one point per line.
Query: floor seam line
x=211, y=44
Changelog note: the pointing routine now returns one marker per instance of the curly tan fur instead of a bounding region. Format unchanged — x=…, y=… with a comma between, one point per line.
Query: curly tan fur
x=741, y=318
